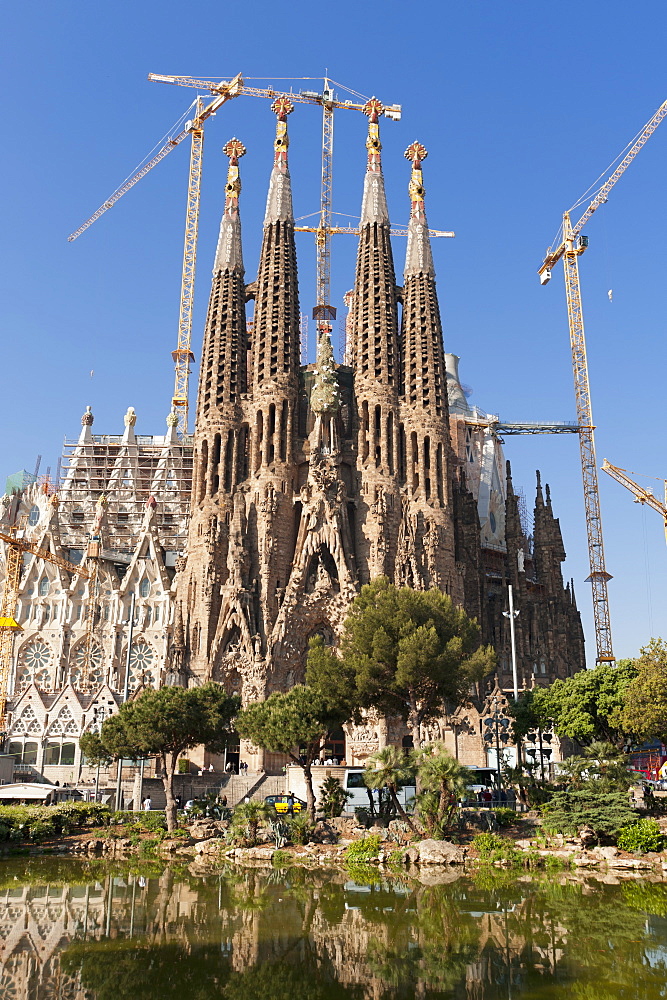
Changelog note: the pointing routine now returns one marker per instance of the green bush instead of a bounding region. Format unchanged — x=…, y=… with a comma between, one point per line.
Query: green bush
x=148, y=848
x=21, y=822
x=606, y=811
x=492, y=847
x=364, y=850
x=300, y=828
x=184, y=766
x=639, y=837
x=150, y=822
x=333, y=797
x=505, y=816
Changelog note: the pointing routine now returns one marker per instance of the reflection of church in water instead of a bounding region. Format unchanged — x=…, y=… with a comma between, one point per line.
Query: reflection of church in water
x=128, y=936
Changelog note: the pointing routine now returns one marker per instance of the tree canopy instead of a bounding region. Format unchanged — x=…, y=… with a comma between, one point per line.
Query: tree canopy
x=585, y=707
x=165, y=723
x=644, y=713
x=411, y=652
x=303, y=717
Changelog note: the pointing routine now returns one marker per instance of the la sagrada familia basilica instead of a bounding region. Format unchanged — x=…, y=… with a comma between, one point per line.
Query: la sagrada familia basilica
x=301, y=483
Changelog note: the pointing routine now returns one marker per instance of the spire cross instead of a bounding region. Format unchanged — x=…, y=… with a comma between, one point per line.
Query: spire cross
x=234, y=149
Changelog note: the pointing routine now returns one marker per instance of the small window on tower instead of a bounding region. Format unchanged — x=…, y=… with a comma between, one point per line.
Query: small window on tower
x=144, y=588
x=33, y=516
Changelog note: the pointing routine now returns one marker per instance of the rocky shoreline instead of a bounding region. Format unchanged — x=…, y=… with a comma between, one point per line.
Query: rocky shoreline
x=203, y=847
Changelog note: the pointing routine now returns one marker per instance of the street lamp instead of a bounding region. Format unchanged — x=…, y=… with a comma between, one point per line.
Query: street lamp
x=95, y=726
x=496, y=726
x=512, y=614
x=126, y=689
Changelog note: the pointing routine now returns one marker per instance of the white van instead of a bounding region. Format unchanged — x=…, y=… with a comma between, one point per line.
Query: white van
x=354, y=785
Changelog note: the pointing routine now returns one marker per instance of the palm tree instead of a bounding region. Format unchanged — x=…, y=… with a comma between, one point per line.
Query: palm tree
x=444, y=782
x=389, y=768
x=248, y=816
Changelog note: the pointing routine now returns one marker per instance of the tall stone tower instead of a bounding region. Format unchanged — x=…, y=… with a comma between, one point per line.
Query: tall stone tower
x=426, y=555
x=309, y=481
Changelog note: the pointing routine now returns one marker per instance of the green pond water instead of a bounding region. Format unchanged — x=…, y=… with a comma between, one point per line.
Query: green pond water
x=90, y=931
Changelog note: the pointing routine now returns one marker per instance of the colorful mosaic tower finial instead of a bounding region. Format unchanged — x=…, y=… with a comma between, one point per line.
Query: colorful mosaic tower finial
x=373, y=109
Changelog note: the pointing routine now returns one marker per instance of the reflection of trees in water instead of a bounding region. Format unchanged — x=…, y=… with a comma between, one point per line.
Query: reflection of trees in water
x=307, y=936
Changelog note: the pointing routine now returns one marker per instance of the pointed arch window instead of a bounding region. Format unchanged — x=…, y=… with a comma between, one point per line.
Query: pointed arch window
x=43, y=587
x=144, y=588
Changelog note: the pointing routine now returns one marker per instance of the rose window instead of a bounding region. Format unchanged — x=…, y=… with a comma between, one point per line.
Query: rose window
x=90, y=674
x=142, y=665
x=35, y=665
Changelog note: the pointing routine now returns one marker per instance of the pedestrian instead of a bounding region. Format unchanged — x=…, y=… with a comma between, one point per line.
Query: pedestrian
x=228, y=769
x=290, y=803
x=147, y=803
x=178, y=801
x=210, y=768
x=223, y=802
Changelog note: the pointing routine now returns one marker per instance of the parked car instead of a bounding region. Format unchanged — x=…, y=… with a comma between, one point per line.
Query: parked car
x=282, y=804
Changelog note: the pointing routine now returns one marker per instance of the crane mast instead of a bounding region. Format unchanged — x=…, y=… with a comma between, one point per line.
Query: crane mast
x=183, y=355
x=598, y=576
x=571, y=246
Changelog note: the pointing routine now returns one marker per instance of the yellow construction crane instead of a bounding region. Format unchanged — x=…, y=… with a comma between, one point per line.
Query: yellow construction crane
x=327, y=100
x=641, y=495
x=183, y=354
x=17, y=546
x=573, y=244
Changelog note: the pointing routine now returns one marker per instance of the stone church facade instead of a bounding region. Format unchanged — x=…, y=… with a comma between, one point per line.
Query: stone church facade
x=309, y=481
x=302, y=483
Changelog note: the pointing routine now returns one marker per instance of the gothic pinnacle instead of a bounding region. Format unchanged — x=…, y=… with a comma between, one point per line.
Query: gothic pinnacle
x=279, y=199
x=229, y=254
x=418, y=258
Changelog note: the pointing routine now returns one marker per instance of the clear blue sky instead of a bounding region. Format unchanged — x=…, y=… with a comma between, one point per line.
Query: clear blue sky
x=521, y=106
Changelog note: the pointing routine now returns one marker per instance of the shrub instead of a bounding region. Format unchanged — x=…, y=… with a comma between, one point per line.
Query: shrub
x=505, y=817
x=364, y=850
x=492, y=847
x=151, y=822
x=183, y=766
x=281, y=859
x=588, y=805
x=148, y=847
x=333, y=797
x=37, y=822
x=301, y=828
x=639, y=837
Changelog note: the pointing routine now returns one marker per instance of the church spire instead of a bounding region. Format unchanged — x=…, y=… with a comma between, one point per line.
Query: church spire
x=423, y=376
x=224, y=368
x=276, y=345
x=374, y=327
x=374, y=202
